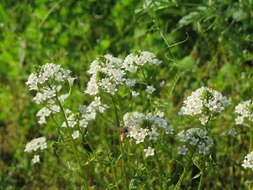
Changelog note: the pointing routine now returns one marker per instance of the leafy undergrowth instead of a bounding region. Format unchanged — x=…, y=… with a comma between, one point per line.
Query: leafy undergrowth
x=176, y=118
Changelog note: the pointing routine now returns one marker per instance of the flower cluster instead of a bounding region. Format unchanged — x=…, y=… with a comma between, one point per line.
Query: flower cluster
x=149, y=126
x=149, y=152
x=245, y=111
x=88, y=113
x=195, y=138
x=204, y=102
x=248, y=161
x=34, y=145
x=108, y=72
x=48, y=84
x=132, y=62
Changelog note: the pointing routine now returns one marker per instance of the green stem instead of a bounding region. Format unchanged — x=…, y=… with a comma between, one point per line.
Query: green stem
x=122, y=153
x=201, y=181
x=251, y=141
x=123, y=163
x=116, y=112
x=72, y=140
x=177, y=187
x=60, y=133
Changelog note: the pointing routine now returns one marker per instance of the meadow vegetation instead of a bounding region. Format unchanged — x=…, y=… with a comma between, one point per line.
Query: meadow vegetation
x=126, y=94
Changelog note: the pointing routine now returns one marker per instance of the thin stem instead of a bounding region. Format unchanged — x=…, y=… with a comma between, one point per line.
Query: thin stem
x=60, y=136
x=116, y=112
x=189, y=159
x=201, y=182
x=177, y=187
x=251, y=141
x=73, y=143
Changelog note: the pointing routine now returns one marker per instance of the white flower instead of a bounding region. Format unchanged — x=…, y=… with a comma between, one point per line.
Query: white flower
x=108, y=86
x=108, y=72
x=47, y=72
x=182, y=150
x=36, y=159
x=88, y=113
x=129, y=63
x=35, y=144
x=112, y=59
x=71, y=119
x=135, y=94
x=150, y=89
x=45, y=95
x=32, y=82
x=239, y=120
x=132, y=62
x=71, y=80
x=135, y=121
x=148, y=57
x=42, y=114
x=48, y=83
x=130, y=82
x=46, y=112
x=94, y=67
x=202, y=101
x=160, y=113
x=149, y=152
x=63, y=97
x=197, y=137
x=163, y=83
x=204, y=119
x=245, y=111
x=92, y=87
x=83, y=123
x=44, y=82
x=248, y=161
x=75, y=134
x=153, y=134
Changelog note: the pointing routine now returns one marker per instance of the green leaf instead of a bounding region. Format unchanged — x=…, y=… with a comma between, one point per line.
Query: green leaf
x=187, y=63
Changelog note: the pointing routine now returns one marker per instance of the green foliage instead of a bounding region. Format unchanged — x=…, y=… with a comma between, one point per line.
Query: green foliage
x=200, y=42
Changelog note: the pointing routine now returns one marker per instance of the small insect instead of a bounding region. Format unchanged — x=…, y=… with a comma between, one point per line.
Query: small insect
x=123, y=133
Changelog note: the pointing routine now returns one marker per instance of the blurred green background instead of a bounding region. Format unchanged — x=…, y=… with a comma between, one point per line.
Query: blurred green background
x=201, y=42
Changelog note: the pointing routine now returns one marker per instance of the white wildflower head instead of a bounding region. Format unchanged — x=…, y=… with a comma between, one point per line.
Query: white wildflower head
x=48, y=83
x=248, y=161
x=182, y=150
x=145, y=126
x=150, y=89
x=196, y=138
x=203, y=103
x=88, y=113
x=45, y=112
x=35, y=144
x=108, y=73
x=244, y=111
x=75, y=134
x=135, y=94
x=48, y=74
x=130, y=82
x=134, y=61
x=71, y=119
x=149, y=152
x=36, y=159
